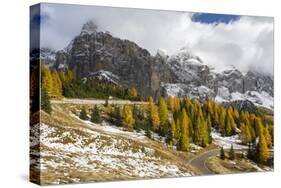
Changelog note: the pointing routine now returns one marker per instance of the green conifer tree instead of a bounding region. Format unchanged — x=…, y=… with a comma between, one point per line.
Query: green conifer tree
x=83, y=114
x=267, y=137
x=95, y=116
x=163, y=116
x=263, y=152
x=46, y=80
x=127, y=117
x=231, y=153
x=222, y=154
x=153, y=115
x=184, y=139
x=57, y=85
x=45, y=101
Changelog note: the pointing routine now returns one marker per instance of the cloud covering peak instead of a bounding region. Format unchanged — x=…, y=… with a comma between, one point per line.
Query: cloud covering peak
x=245, y=42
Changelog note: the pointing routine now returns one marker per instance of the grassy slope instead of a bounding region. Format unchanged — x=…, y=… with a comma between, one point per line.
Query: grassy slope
x=60, y=166
x=233, y=166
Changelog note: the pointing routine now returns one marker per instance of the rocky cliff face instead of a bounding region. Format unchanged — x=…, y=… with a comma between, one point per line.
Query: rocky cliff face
x=94, y=53
x=196, y=80
x=93, y=50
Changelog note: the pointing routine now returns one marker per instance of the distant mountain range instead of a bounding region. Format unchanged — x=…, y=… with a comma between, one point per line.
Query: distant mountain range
x=99, y=55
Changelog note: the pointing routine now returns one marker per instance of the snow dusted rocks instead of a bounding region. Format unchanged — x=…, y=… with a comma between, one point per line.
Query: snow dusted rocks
x=104, y=76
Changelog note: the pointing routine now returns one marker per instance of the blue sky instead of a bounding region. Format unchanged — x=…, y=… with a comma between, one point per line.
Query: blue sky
x=209, y=18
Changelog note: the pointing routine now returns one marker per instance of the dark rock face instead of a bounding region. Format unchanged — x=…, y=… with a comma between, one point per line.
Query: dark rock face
x=231, y=79
x=242, y=105
x=258, y=82
x=93, y=51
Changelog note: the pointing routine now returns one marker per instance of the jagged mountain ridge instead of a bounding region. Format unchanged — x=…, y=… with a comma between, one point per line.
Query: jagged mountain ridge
x=197, y=80
x=94, y=50
x=182, y=74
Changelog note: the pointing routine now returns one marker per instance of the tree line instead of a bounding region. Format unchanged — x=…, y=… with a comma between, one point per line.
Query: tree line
x=58, y=84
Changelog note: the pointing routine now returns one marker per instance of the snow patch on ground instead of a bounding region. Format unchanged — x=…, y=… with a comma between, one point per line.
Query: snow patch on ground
x=68, y=149
x=227, y=141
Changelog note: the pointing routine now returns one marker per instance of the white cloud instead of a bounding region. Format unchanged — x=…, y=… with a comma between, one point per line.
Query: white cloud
x=246, y=43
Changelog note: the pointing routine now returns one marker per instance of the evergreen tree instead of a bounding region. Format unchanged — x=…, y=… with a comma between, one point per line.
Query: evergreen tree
x=133, y=93
x=236, y=116
x=230, y=124
x=148, y=132
x=171, y=103
x=222, y=121
x=46, y=80
x=253, y=134
x=83, y=114
x=267, y=137
x=127, y=117
x=106, y=102
x=258, y=126
x=270, y=129
x=184, y=139
x=57, y=85
x=117, y=116
x=263, y=152
x=201, y=136
x=209, y=129
x=231, y=153
x=153, y=115
x=218, y=115
x=95, y=116
x=163, y=116
x=177, y=104
x=170, y=137
x=189, y=107
x=45, y=101
x=245, y=134
x=222, y=155
x=173, y=128
x=62, y=76
x=244, y=118
x=178, y=129
x=69, y=75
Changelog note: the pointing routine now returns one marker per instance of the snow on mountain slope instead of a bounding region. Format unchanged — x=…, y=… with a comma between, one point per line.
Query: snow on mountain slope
x=186, y=66
x=196, y=80
x=227, y=141
x=105, y=76
x=262, y=99
x=173, y=89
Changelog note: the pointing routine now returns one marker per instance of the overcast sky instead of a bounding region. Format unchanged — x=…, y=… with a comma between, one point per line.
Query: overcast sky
x=219, y=40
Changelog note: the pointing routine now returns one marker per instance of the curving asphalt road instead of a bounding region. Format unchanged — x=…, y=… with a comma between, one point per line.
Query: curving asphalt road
x=200, y=161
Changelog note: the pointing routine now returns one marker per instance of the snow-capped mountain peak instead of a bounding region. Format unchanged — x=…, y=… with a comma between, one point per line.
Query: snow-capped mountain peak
x=89, y=28
x=162, y=53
